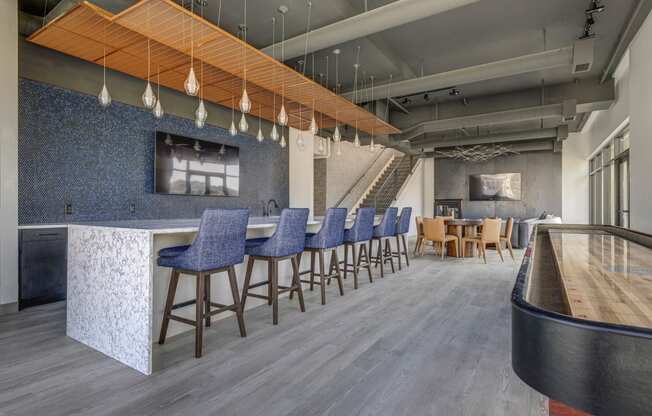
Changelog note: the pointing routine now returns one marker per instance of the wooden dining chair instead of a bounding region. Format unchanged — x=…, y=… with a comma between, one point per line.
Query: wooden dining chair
x=507, y=236
x=434, y=229
x=419, y=222
x=490, y=235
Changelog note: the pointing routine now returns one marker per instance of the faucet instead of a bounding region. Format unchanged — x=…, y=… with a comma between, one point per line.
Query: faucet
x=267, y=210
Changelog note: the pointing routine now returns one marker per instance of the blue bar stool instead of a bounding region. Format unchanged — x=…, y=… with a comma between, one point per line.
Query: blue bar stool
x=402, y=228
x=329, y=237
x=357, y=238
x=286, y=243
x=382, y=233
x=219, y=245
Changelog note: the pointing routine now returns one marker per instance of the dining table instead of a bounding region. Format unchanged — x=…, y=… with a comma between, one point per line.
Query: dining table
x=462, y=227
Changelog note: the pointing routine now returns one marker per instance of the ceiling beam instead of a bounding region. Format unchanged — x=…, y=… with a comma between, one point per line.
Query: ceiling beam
x=538, y=134
x=505, y=68
x=382, y=18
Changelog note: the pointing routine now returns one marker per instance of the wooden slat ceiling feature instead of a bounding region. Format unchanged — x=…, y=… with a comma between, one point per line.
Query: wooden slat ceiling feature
x=88, y=32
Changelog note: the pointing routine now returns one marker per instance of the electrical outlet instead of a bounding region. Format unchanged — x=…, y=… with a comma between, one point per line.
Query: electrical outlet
x=68, y=209
x=132, y=208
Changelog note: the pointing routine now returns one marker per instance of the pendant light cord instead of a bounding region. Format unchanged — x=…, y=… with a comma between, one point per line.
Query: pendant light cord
x=305, y=48
x=274, y=57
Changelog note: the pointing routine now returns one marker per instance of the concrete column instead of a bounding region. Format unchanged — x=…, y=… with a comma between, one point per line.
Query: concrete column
x=429, y=187
x=8, y=152
x=301, y=170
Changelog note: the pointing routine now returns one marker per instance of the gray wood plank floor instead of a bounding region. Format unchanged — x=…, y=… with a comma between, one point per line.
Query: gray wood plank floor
x=430, y=340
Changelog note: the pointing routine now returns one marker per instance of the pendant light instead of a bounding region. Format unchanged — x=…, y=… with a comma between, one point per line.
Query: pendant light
x=243, y=125
x=232, y=130
x=283, y=115
x=104, y=96
x=283, y=144
x=356, y=67
x=201, y=114
x=336, y=134
x=260, y=136
x=149, y=99
x=158, y=108
x=339, y=149
x=245, y=102
x=372, y=145
x=300, y=140
x=356, y=140
x=274, y=133
x=321, y=147
x=190, y=84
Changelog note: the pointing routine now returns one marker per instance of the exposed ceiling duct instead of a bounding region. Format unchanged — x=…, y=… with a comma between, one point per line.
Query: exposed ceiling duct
x=505, y=68
x=539, y=134
x=382, y=18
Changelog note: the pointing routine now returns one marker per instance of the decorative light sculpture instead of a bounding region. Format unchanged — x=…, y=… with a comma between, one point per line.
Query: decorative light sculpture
x=283, y=115
x=104, y=97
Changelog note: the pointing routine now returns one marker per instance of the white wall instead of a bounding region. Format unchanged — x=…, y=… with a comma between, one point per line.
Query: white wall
x=412, y=195
x=575, y=184
x=8, y=151
x=301, y=170
x=640, y=110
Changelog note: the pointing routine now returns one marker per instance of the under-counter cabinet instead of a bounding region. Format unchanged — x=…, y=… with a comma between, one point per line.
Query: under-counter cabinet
x=42, y=266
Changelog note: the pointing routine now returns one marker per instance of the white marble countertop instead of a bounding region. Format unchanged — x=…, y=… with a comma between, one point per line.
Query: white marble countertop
x=164, y=226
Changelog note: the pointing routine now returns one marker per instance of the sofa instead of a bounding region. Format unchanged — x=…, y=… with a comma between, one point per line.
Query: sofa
x=523, y=228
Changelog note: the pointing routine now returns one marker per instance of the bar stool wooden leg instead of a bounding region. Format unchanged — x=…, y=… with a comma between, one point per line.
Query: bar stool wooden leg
x=207, y=299
x=296, y=282
x=367, y=260
x=270, y=274
x=356, y=265
x=274, y=291
x=322, y=278
x=172, y=290
x=233, y=281
x=312, y=270
x=346, y=261
x=405, y=251
x=398, y=250
x=338, y=275
x=199, y=315
x=381, y=259
x=245, y=289
x=388, y=247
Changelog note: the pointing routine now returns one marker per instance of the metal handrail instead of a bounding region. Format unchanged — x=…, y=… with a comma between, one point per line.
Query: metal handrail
x=348, y=191
x=393, y=174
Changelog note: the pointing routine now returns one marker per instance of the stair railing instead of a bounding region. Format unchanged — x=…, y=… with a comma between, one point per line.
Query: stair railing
x=364, y=174
x=393, y=179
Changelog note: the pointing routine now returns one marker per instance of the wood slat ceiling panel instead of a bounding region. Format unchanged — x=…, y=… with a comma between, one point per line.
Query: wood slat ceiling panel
x=177, y=36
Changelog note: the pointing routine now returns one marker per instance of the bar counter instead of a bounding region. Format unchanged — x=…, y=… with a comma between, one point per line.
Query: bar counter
x=116, y=291
x=582, y=318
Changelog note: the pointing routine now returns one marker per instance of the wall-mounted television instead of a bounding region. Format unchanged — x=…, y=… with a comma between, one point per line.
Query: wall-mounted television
x=188, y=166
x=495, y=187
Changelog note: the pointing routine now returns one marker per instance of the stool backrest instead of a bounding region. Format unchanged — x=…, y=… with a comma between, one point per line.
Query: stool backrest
x=220, y=240
x=363, y=227
x=331, y=233
x=403, y=223
x=290, y=235
x=491, y=230
x=434, y=229
x=387, y=226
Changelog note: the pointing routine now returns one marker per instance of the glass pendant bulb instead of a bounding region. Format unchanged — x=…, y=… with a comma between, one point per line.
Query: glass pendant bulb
x=158, y=109
x=321, y=146
x=301, y=144
x=191, y=85
x=282, y=117
x=201, y=113
x=243, y=125
x=260, y=136
x=356, y=140
x=104, y=97
x=336, y=134
x=314, y=129
x=245, y=102
x=149, y=99
x=283, y=144
x=372, y=145
x=199, y=123
x=232, y=130
x=274, y=134
x=339, y=149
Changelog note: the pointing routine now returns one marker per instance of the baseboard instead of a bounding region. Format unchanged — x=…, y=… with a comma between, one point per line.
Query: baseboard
x=7, y=308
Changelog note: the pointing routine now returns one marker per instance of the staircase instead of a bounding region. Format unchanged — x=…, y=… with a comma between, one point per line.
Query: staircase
x=385, y=190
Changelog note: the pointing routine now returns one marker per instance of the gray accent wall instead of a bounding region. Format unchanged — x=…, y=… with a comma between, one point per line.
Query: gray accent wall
x=71, y=151
x=540, y=176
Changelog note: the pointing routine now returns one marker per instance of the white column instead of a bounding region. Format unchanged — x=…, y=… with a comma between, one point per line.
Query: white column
x=8, y=152
x=429, y=187
x=574, y=181
x=301, y=170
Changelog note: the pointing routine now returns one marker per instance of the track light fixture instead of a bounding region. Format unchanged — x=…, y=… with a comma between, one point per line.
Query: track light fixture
x=595, y=8
x=454, y=92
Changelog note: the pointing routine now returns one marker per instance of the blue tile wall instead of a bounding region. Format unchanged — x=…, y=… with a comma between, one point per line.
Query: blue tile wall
x=71, y=151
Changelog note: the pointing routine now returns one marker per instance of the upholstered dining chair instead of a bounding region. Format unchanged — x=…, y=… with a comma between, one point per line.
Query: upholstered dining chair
x=419, y=222
x=434, y=229
x=507, y=236
x=218, y=247
x=490, y=235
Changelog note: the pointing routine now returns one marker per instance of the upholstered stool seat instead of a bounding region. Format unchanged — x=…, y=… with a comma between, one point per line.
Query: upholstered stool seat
x=285, y=244
x=329, y=237
x=218, y=247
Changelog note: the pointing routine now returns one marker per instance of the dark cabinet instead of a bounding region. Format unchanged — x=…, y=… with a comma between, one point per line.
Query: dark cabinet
x=42, y=266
